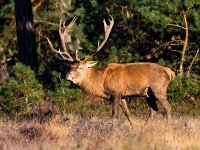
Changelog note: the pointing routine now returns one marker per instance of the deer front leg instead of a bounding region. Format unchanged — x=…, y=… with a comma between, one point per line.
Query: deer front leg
x=115, y=107
x=125, y=110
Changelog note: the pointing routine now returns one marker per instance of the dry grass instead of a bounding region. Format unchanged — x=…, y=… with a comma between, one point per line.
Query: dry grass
x=95, y=133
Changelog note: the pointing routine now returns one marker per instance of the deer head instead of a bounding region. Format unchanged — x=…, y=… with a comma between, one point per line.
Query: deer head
x=79, y=66
x=79, y=71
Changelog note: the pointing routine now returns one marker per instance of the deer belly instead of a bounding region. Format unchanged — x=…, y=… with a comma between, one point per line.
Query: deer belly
x=103, y=95
x=97, y=92
x=135, y=90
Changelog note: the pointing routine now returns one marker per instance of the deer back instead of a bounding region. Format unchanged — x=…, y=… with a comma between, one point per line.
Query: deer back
x=134, y=78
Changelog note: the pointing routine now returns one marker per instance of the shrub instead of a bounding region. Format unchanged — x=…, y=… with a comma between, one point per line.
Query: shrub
x=21, y=91
x=184, y=93
x=62, y=94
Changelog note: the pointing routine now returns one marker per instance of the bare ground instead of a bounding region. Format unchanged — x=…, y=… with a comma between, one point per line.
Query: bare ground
x=94, y=133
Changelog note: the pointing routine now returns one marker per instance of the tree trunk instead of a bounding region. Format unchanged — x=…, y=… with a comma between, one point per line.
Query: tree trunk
x=26, y=39
x=184, y=44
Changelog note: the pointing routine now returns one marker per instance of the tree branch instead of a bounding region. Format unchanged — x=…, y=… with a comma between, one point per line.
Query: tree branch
x=193, y=60
x=176, y=25
x=184, y=44
x=45, y=22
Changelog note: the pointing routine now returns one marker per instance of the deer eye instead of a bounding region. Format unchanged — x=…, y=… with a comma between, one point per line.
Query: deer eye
x=79, y=67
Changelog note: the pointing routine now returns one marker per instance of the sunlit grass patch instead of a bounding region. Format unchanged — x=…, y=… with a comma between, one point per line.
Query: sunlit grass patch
x=96, y=132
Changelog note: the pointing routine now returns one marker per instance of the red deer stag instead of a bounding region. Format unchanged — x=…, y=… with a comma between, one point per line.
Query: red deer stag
x=117, y=81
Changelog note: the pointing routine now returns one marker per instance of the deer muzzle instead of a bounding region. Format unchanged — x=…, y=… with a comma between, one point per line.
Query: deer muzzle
x=69, y=77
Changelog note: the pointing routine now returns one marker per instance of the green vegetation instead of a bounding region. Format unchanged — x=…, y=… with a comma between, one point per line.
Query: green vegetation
x=21, y=91
x=62, y=95
x=184, y=94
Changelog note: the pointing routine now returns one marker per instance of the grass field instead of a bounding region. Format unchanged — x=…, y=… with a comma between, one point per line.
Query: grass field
x=74, y=132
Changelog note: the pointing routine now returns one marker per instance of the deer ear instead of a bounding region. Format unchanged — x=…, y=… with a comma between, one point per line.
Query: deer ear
x=90, y=64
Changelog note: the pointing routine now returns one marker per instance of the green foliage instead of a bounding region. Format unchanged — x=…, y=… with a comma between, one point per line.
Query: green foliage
x=7, y=26
x=184, y=93
x=61, y=95
x=184, y=86
x=21, y=91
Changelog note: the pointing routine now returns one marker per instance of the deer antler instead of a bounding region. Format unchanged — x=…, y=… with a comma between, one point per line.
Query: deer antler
x=107, y=30
x=65, y=38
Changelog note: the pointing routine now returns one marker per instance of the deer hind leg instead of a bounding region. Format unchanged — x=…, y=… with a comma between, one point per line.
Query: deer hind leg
x=125, y=110
x=151, y=101
x=162, y=97
x=115, y=108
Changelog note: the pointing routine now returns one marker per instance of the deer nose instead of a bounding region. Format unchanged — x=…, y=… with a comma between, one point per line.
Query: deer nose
x=69, y=77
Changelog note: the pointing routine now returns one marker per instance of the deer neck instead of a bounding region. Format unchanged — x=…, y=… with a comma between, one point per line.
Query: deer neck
x=93, y=82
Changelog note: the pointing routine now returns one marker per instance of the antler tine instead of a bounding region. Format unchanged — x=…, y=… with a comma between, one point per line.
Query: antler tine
x=64, y=32
x=77, y=50
x=68, y=28
x=68, y=58
x=107, y=30
x=77, y=58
